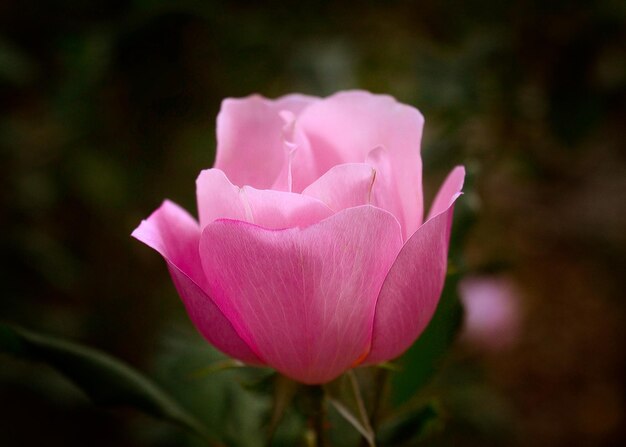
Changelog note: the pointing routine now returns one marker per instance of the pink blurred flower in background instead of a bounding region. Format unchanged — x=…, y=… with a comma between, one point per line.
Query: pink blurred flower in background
x=492, y=312
x=311, y=254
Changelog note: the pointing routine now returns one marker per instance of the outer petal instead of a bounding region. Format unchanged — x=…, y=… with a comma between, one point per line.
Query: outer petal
x=344, y=186
x=345, y=127
x=220, y=199
x=249, y=138
x=411, y=291
x=449, y=192
x=172, y=232
x=304, y=298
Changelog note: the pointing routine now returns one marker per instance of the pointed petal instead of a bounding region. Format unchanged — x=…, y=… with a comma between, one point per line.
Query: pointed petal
x=172, y=232
x=220, y=199
x=249, y=138
x=449, y=191
x=344, y=186
x=411, y=291
x=345, y=127
x=303, y=298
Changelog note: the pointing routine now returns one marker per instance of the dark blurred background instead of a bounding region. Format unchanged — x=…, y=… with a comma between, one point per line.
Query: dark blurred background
x=107, y=107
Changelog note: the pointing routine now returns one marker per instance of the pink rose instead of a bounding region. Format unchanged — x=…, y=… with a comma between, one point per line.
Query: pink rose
x=311, y=254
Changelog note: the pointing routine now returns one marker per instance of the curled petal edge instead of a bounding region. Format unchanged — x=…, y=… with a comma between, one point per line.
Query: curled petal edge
x=175, y=235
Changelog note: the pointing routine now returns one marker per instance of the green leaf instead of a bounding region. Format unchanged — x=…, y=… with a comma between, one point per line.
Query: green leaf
x=421, y=361
x=232, y=402
x=104, y=379
x=216, y=367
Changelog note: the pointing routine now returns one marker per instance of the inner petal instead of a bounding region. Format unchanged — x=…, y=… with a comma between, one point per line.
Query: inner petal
x=386, y=194
x=299, y=167
x=346, y=126
x=344, y=186
x=249, y=137
x=218, y=198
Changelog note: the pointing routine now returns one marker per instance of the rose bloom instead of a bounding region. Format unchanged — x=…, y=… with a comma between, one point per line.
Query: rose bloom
x=311, y=254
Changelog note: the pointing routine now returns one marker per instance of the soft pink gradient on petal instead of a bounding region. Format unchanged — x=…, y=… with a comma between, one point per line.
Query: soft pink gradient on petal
x=209, y=320
x=250, y=138
x=345, y=127
x=173, y=233
x=304, y=298
x=294, y=102
x=385, y=195
x=344, y=186
x=300, y=170
x=284, y=180
x=278, y=210
x=218, y=198
x=411, y=291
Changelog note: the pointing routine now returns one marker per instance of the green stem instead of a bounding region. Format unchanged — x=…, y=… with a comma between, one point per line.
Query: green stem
x=363, y=416
x=317, y=436
x=381, y=384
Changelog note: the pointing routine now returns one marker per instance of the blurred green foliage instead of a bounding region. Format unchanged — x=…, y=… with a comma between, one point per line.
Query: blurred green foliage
x=108, y=107
x=104, y=379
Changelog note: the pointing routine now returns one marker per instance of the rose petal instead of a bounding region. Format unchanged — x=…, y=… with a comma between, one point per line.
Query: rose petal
x=218, y=198
x=249, y=138
x=411, y=291
x=172, y=232
x=345, y=127
x=300, y=168
x=344, y=186
x=449, y=191
x=294, y=103
x=209, y=320
x=385, y=195
x=278, y=209
x=304, y=298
